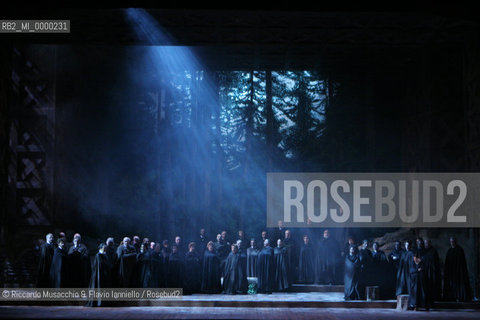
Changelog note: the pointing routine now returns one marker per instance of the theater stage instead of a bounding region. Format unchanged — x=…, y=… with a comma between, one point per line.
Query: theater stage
x=69, y=312
x=303, y=301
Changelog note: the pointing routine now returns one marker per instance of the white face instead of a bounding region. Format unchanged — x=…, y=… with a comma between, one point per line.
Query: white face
x=49, y=238
x=266, y=243
x=239, y=243
x=279, y=243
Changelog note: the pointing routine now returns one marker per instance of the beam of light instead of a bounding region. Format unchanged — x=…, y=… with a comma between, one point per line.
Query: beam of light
x=178, y=66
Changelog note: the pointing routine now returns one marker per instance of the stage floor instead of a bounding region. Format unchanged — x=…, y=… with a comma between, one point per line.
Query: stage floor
x=41, y=312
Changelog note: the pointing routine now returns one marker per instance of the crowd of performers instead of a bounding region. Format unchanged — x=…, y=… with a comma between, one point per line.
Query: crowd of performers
x=276, y=261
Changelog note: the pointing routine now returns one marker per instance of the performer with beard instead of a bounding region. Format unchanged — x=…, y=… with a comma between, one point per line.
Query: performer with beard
x=58, y=269
x=211, y=272
x=266, y=269
x=404, y=267
x=418, y=294
x=192, y=280
x=456, y=285
x=45, y=261
x=126, y=261
x=101, y=274
x=352, y=274
x=306, y=271
x=326, y=263
x=252, y=258
x=79, y=267
x=281, y=270
x=234, y=280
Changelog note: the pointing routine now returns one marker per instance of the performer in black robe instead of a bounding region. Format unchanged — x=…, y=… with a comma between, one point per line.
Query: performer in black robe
x=165, y=254
x=393, y=264
x=264, y=236
x=346, y=248
x=352, y=274
x=242, y=254
x=281, y=269
x=244, y=243
x=266, y=269
x=366, y=275
x=404, y=267
x=58, y=269
x=418, y=296
x=143, y=269
x=420, y=247
x=380, y=270
x=79, y=267
x=326, y=263
x=156, y=267
x=126, y=261
x=45, y=261
x=431, y=261
x=395, y=256
x=222, y=250
x=175, y=269
x=456, y=284
x=292, y=257
x=201, y=242
x=306, y=270
x=110, y=251
x=278, y=233
x=252, y=258
x=211, y=272
x=193, y=272
x=101, y=274
x=180, y=246
x=234, y=280
x=136, y=243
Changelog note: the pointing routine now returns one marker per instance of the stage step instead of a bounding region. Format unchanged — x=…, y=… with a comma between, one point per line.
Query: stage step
x=315, y=288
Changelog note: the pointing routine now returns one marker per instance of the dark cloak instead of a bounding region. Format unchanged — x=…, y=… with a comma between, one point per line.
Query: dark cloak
x=252, y=258
x=58, y=269
x=418, y=295
x=432, y=273
x=44, y=263
x=211, y=273
x=292, y=259
x=306, y=271
x=222, y=250
x=126, y=261
x=366, y=262
x=79, y=267
x=281, y=270
x=351, y=277
x=266, y=269
x=101, y=276
x=175, y=271
x=456, y=285
x=403, y=274
x=193, y=272
x=234, y=279
x=380, y=271
x=326, y=262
